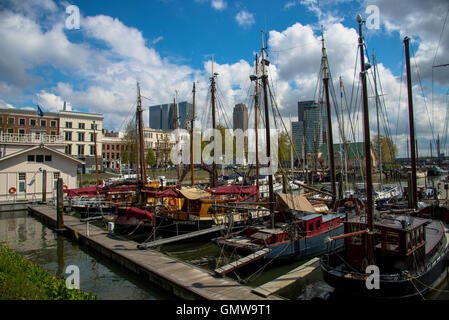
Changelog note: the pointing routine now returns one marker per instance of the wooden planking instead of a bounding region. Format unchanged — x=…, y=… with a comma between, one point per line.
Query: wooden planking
x=174, y=274
x=180, y=237
x=287, y=279
x=242, y=261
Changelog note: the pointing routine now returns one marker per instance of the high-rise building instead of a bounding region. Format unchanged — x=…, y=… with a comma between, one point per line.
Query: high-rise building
x=240, y=117
x=162, y=116
x=309, y=114
x=297, y=132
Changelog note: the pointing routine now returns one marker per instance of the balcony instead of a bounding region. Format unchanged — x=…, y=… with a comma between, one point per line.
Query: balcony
x=33, y=138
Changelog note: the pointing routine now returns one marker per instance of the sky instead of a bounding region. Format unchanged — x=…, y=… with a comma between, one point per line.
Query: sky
x=167, y=45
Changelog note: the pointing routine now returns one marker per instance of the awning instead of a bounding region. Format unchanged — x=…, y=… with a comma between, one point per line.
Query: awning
x=139, y=214
x=87, y=192
x=171, y=193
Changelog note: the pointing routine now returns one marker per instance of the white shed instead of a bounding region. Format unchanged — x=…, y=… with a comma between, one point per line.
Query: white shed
x=22, y=173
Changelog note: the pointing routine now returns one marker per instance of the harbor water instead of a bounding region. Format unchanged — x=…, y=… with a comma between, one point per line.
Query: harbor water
x=98, y=275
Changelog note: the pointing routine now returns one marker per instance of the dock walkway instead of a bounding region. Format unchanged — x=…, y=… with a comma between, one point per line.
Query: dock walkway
x=182, y=279
x=287, y=279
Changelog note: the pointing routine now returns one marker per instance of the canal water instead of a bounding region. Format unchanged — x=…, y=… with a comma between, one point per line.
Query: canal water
x=98, y=275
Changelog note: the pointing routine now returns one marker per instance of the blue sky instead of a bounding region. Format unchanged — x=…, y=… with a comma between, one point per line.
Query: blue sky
x=166, y=45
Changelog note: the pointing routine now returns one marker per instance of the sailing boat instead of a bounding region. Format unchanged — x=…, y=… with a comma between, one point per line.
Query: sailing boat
x=410, y=253
x=296, y=230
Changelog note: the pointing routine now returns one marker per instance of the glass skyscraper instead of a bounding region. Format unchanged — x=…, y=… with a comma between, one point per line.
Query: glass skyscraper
x=162, y=116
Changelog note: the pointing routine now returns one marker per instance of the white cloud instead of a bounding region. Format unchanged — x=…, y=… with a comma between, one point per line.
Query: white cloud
x=218, y=4
x=245, y=18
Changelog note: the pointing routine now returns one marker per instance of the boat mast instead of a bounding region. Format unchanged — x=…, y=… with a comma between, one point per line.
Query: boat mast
x=143, y=169
x=411, y=123
x=330, y=140
x=256, y=116
x=212, y=88
x=369, y=184
x=192, y=167
x=175, y=126
x=377, y=113
x=267, y=130
x=96, y=154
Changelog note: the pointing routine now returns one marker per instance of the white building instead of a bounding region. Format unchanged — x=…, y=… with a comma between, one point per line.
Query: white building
x=22, y=173
x=78, y=130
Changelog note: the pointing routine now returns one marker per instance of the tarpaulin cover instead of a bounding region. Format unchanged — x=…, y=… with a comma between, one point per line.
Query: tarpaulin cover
x=244, y=190
x=139, y=214
x=87, y=191
x=295, y=202
x=171, y=193
x=194, y=193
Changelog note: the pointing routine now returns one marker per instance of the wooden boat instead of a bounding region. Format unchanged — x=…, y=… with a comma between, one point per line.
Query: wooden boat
x=409, y=253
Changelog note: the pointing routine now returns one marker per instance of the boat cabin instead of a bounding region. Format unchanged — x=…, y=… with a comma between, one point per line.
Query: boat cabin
x=398, y=239
x=315, y=223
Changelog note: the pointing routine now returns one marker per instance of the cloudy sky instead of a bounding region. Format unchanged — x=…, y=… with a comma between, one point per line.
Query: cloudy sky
x=167, y=45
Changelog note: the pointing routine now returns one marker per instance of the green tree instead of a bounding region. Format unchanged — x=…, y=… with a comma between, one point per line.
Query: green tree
x=151, y=158
x=284, y=148
x=388, y=149
x=129, y=140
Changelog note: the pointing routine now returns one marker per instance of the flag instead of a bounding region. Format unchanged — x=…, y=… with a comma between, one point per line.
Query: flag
x=40, y=113
x=103, y=184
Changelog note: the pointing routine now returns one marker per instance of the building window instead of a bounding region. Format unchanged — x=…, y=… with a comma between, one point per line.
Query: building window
x=43, y=123
x=10, y=130
x=21, y=131
x=68, y=125
x=107, y=147
x=80, y=149
x=112, y=155
x=22, y=177
x=68, y=149
x=318, y=224
x=53, y=123
x=52, y=133
x=22, y=122
x=92, y=150
x=112, y=147
x=68, y=136
x=80, y=136
x=81, y=125
x=33, y=122
x=30, y=158
x=92, y=137
x=10, y=120
x=93, y=126
x=39, y=158
x=107, y=155
x=47, y=157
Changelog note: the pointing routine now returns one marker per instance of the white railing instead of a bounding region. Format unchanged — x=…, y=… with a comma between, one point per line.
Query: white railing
x=30, y=138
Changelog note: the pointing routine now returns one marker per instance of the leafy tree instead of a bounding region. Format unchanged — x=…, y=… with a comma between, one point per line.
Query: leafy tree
x=151, y=158
x=388, y=149
x=129, y=140
x=284, y=148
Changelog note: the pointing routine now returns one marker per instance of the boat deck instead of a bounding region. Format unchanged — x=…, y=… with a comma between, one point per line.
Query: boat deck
x=182, y=279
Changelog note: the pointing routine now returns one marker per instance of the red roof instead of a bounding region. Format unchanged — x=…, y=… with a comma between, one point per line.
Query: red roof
x=244, y=190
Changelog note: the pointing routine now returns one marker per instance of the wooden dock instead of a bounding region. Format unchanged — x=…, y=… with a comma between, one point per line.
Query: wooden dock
x=287, y=279
x=178, y=277
x=242, y=261
x=184, y=236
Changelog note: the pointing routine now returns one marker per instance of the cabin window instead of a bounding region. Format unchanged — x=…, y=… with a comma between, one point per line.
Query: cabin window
x=39, y=158
x=318, y=224
x=392, y=241
x=310, y=226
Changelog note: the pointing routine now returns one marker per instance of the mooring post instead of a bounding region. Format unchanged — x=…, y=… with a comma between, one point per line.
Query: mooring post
x=59, y=205
x=44, y=186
